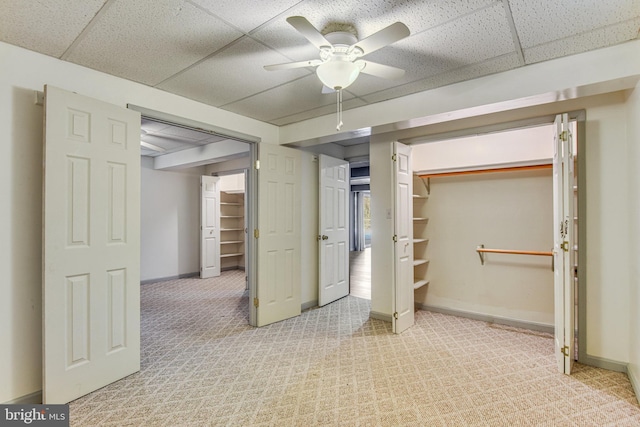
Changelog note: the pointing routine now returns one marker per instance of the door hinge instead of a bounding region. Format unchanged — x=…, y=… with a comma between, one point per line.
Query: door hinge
x=395, y=315
x=565, y=246
x=564, y=135
x=565, y=350
x=394, y=157
x=256, y=302
x=256, y=233
x=395, y=237
x=257, y=165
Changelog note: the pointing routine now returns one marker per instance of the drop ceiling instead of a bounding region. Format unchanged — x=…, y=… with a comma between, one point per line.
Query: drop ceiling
x=165, y=138
x=213, y=51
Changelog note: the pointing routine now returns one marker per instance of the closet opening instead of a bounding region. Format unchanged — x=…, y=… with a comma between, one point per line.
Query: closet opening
x=496, y=190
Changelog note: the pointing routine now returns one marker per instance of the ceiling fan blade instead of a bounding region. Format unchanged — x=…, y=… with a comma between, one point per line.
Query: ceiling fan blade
x=384, y=37
x=290, y=65
x=152, y=147
x=380, y=70
x=310, y=32
x=327, y=89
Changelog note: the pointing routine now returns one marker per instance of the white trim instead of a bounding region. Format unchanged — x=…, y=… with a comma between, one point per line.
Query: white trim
x=525, y=324
x=34, y=398
x=380, y=316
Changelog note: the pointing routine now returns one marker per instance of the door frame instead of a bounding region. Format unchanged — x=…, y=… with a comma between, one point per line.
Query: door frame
x=251, y=196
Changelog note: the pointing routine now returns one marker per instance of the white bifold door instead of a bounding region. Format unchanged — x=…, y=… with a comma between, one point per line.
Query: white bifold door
x=91, y=245
x=278, y=236
x=563, y=246
x=333, y=236
x=403, y=315
x=209, y=226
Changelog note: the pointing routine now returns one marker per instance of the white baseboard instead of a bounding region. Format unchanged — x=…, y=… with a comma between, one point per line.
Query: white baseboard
x=166, y=279
x=380, y=316
x=308, y=305
x=534, y=326
x=34, y=398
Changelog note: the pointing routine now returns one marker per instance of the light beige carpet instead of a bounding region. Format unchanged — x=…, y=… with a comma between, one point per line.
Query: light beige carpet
x=202, y=365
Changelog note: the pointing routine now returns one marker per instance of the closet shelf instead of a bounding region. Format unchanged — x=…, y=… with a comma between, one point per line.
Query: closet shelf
x=420, y=240
x=232, y=229
x=418, y=219
x=418, y=196
x=231, y=255
x=417, y=262
x=230, y=204
x=420, y=283
x=232, y=242
x=231, y=216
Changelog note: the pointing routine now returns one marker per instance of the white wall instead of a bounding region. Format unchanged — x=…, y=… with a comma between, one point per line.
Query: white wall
x=608, y=178
x=633, y=120
x=520, y=146
x=310, y=225
x=505, y=210
x=381, y=172
x=169, y=221
x=23, y=72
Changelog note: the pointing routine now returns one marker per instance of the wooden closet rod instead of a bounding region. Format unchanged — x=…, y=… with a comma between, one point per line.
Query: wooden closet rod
x=482, y=250
x=477, y=171
x=516, y=252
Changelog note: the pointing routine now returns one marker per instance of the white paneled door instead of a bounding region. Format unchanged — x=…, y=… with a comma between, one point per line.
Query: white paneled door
x=91, y=245
x=333, y=237
x=209, y=226
x=403, y=316
x=278, y=236
x=563, y=245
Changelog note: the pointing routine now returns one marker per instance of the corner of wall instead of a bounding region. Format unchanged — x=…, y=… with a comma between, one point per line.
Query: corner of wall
x=634, y=377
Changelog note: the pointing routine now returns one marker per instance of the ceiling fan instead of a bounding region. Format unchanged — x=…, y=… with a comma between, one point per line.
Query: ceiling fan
x=340, y=51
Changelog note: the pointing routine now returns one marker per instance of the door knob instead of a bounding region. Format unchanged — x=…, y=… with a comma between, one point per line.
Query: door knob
x=322, y=237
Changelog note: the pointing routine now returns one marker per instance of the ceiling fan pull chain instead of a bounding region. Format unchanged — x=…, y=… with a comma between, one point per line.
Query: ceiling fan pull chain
x=339, y=108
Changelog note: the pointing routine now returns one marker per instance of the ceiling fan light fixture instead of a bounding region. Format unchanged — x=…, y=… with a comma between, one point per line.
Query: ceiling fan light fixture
x=338, y=74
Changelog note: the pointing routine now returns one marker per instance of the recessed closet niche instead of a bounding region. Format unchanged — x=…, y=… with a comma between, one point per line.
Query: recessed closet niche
x=496, y=191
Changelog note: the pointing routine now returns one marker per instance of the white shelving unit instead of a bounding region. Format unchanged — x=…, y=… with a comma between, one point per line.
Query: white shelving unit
x=232, y=228
x=420, y=235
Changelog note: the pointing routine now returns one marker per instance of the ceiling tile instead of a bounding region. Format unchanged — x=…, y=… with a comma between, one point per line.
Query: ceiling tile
x=246, y=15
x=322, y=111
x=292, y=98
x=168, y=143
x=471, y=39
x=602, y=37
x=238, y=73
x=540, y=22
x=47, y=27
x=490, y=66
x=148, y=41
x=424, y=14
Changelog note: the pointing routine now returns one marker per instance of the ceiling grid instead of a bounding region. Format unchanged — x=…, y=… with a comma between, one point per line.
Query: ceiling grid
x=213, y=51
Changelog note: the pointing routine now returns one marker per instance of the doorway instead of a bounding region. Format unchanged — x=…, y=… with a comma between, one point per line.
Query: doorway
x=171, y=201
x=361, y=231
